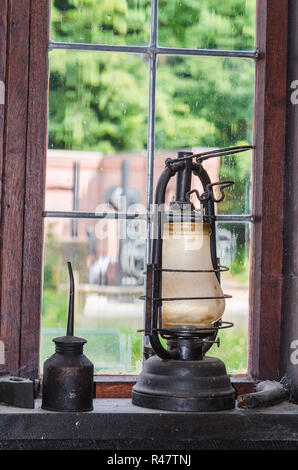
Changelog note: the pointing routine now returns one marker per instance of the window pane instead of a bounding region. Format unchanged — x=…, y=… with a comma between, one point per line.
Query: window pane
x=208, y=24
x=108, y=273
x=101, y=22
x=206, y=103
x=233, y=247
x=98, y=108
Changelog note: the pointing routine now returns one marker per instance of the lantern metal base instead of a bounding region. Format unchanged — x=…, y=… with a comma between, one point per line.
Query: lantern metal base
x=184, y=385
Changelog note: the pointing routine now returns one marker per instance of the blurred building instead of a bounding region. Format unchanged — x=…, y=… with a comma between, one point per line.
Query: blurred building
x=93, y=182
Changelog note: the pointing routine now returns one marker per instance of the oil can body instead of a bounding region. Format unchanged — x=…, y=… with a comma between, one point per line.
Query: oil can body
x=68, y=383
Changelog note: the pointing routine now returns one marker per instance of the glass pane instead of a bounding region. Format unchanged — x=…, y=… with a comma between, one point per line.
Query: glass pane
x=108, y=270
x=208, y=24
x=98, y=108
x=207, y=103
x=101, y=22
x=233, y=249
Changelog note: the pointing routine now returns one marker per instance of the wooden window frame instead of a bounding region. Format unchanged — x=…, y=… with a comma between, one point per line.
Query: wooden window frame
x=24, y=36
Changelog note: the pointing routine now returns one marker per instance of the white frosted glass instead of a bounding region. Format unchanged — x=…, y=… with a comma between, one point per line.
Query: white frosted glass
x=187, y=246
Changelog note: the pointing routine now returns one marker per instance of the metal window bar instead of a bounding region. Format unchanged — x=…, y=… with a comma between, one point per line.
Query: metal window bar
x=130, y=216
x=151, y=122
x=153, y=50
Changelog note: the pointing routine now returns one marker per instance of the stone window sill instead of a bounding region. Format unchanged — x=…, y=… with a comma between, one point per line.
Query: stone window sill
x=117, y=424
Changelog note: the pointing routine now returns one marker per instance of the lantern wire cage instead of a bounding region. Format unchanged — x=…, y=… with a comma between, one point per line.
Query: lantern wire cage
x=154, y=300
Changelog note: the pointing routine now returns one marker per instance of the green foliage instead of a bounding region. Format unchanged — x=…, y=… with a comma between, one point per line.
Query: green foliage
x=98, y=101
x=103, y=349
x=54, y=302
x=54, y=308
x=233, y=349
x=51, y=261
x=101, y=21
x=209, y=24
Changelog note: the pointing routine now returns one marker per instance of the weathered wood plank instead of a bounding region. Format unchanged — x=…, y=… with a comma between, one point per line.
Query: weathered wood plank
x=268, y=184
x=35, y=189
x=13, y=175
x=3, y=34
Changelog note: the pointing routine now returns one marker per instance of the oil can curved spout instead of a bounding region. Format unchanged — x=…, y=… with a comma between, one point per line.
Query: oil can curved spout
x=70, y=319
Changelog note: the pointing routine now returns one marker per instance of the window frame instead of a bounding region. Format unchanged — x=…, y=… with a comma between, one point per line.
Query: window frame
x=24, y=41
x=23, y=130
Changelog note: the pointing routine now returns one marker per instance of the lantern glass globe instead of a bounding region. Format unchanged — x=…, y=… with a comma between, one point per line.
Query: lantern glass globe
x=186, y=246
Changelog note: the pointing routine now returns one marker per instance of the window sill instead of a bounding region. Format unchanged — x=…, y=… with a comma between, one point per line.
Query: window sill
x=117, y=424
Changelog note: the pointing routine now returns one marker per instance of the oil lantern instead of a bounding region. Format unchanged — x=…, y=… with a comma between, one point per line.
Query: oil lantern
x=184, y=298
